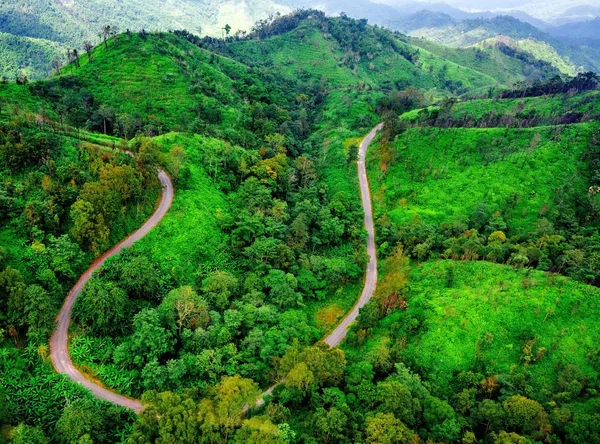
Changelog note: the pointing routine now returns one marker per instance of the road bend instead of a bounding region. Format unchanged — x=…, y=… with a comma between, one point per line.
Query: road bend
x=337, y=336
x=59, y=349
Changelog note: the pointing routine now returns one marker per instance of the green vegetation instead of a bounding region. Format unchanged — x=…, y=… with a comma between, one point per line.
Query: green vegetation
x=262, y=251
x=59, y=206
x=499, y=344
x=26, y=56
x=508, y=67
x=524, y=196
x=373, y=59
x=521, y=112
x=48, y=28
x=461, y=188
x=511, y=37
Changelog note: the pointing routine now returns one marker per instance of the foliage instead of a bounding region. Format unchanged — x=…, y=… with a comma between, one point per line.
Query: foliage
x=532, y=185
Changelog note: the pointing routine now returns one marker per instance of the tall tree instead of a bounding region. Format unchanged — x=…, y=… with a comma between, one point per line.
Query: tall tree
x=106, y=32
x=57, y=64
x=88, y=47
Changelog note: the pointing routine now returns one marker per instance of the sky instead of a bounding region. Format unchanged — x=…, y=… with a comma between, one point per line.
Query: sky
x=503, y=4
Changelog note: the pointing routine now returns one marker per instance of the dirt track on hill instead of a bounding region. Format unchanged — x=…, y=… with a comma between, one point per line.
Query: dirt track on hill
x=339, y=333
x=59, y=349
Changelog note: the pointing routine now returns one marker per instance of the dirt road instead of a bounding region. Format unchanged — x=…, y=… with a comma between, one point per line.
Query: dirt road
x=338, y=335
x=58, y=343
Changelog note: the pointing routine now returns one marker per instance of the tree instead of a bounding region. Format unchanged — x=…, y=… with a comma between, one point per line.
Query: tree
x=330, y=424
x=391, y=290
x=24, y=434
x=66, y=257
x=106, y=32
x=12, y=298
x=440, y=419
x=169, y=418
x=140, y=278
x=528, y=416
x=152, y=338
x=352, y=154
x=394, y=397
x=585, y=429
x=57, y=64
x=219, y=287
x=318, y=365
x=123, y=179
x=88, y=47
x=73, y=56
x=89, y=226
x=259, y=430
x=227, y=29
x=40, y=313
x=385, y=428
x=79, y=419
x=509, y=438
x=192, y=309
x=368, y=315
x=101, y=307
x=223, y=412
x=282, y=288
x=300, y=377
x=107, y=114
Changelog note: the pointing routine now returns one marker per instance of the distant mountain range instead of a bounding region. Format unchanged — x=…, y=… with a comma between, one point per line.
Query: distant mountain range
x=32, y=33
x=572, y=48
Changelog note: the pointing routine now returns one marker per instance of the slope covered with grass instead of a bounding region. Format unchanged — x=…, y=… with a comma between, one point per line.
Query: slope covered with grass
x=442, y=176
x=347, y=52
x=533, y=333
x=507, y=67
x=170, y=83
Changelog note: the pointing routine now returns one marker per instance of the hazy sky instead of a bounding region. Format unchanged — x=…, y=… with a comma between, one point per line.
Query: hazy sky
x=497, y=4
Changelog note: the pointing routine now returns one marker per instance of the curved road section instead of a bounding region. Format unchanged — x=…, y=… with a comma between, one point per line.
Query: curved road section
x=58, y=343
x=338, y=335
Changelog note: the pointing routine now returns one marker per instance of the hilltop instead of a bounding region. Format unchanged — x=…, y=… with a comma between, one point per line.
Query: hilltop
x=31, y=37
x=485, y=198
x=568, y=55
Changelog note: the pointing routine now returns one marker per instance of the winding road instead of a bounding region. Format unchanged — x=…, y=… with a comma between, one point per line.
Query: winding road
x=339, y=333
x=59, y=349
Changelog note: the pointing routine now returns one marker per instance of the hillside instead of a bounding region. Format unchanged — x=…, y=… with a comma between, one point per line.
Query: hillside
x=373, y=56
x=469, y=199
x=578, y=30
x=64, y=25
x=484, y=198
x=32, y=37
x=493, y=340
x=570, y=56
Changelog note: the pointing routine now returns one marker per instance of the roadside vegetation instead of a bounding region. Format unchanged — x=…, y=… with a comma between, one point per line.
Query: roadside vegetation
x=473, y=334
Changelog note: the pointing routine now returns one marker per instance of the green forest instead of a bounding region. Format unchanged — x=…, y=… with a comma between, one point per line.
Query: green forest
x=485, y=188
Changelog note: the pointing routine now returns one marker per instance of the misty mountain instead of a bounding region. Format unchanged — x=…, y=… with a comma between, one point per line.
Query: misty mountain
x=33, y=33
x=578, y=30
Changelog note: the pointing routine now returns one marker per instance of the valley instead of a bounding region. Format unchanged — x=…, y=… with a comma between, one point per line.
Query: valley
x=396, y=239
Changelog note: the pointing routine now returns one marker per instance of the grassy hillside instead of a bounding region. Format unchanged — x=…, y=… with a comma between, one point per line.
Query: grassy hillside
x=68, y=24
x=442, y=175
x=510, y=34
x=453, y=325
x=345, y=52
x=532, y=333
x=507, y=68
x=523, y=112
